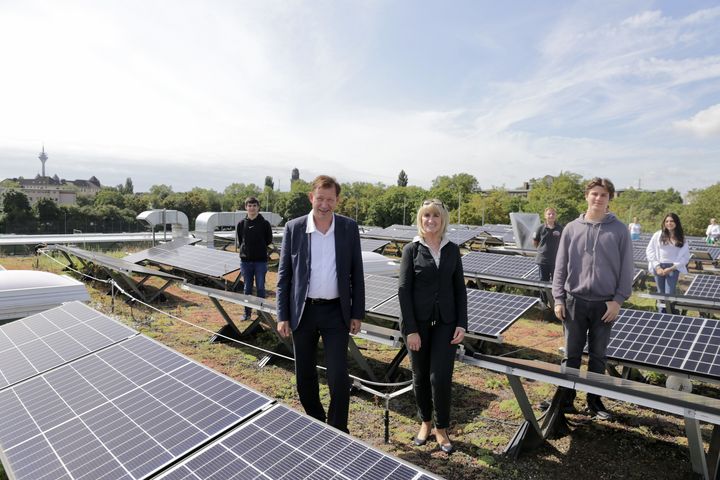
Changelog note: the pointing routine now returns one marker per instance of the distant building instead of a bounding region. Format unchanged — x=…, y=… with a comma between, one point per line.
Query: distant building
x=63, y=192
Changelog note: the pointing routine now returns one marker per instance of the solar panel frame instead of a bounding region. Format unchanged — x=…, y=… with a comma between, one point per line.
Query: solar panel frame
x=36, y=344
x=282, y=443
x=113, y=263
x=124, y=412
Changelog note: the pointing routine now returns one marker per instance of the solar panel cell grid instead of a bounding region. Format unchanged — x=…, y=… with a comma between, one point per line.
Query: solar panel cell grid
x=205, y=261
x=282, y=443
x=491, y=313
x=511, y=266
x=378, y=289
x=707, y=286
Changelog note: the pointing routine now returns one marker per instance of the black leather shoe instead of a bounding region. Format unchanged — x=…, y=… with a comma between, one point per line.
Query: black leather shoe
x=447, y=448
x=420, y=441
x=597, y=409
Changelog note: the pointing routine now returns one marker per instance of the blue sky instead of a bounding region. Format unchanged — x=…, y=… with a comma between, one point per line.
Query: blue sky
x=207, y=93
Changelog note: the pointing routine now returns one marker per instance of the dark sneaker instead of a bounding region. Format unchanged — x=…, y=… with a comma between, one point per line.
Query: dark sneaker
x=597, y=409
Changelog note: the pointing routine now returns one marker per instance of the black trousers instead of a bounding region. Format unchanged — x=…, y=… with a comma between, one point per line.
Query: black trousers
x=432, y=368
x=324, y=321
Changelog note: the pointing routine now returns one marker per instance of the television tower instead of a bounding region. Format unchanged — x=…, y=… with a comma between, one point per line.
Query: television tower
x=43, y=158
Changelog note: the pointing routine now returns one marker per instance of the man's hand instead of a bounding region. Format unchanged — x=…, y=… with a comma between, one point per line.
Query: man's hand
x=560, y=311
x=355, y=325
x=283, y=329
x=613, y=308
x=413, y=342
x=458, y=336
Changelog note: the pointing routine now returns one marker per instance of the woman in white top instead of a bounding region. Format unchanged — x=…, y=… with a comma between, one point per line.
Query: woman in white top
x=668, y=254
x=712, y=232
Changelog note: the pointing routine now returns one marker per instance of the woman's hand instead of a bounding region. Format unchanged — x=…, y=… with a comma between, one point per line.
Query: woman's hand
x=413, y=342
x=458, y=336
x=659, y=271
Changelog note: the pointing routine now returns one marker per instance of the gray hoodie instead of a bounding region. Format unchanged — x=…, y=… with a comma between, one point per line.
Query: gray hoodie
x=594, y=261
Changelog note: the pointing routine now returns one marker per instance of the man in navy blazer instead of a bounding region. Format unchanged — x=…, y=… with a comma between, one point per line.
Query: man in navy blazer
x=321, y=293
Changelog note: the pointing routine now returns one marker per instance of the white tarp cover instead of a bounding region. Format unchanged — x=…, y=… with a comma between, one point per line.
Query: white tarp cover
x=376, y=264
x=27, y=292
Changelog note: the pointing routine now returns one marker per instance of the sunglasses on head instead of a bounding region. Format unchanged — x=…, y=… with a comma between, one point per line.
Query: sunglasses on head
x=433, y=202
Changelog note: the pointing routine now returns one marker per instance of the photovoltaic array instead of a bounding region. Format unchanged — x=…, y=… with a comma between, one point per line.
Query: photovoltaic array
x=189, y=258
x=496, y=264
x=675, y=342
x=378, y=289
x=706, y=286
x=372, y=244
x=124, y=411
x=491, y=313
x=282, y=443
x=46, y=340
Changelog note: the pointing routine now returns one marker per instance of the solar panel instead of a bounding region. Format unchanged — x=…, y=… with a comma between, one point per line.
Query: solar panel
x=639, y=253
x=712, y=252
x=511, y=266
x=461, y=237
x=707, y=286
x=372, y=244
x=124, y=412
x=46, y=340
x=491, y=313
x=118, y=264
x=378, y=289
x=676, y=342
x=205, y=261
x=159, y=248
x=282, y=443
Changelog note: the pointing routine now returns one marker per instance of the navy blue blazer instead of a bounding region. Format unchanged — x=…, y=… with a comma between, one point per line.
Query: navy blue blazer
x=294, y=270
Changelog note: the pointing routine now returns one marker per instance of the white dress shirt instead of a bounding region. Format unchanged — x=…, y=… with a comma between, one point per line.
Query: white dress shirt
x=323, y=273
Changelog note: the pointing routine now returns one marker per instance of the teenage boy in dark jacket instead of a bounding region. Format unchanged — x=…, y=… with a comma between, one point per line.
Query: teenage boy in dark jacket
x=254, y=235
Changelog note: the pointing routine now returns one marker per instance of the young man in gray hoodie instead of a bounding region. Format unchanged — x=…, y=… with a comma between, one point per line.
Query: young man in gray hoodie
x=593, y=277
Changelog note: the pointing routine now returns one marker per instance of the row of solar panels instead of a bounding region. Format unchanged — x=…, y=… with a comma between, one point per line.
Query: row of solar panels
x=679, y=343
x=460, y=234
x=698, y=248
x=84, y=396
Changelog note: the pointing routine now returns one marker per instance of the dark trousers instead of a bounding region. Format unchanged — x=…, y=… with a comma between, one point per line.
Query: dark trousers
x=546, y=272
x=432, y=368
x=253, y=272
x=323, y=321
x=583, y=324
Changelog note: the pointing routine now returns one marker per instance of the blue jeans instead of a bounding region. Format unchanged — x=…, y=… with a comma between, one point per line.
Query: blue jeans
x=253, y=272
x=667, y=283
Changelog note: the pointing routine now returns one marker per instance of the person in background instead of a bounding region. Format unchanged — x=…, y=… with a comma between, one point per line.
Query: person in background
x=547, y=239
x=634, y=229
x=253, y=236
x=321, y=294
x=593, y=277
x=668, y=254
x=433, y=317
x=712, y=232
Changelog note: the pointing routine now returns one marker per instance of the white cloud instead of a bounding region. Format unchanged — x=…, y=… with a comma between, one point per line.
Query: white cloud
x=705, y=123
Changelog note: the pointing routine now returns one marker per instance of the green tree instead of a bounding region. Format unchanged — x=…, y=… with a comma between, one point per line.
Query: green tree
x=269, y=182
x=48, y=215
x=356, y=198
x=452, y=189
x=396, y=205
x=17, y=214
x=703, y=204
x=649, y=207
x=492, y=207
x=235, y=194
x=402, y=180
x=109, y=196
x=158, y=193
x=565, y=193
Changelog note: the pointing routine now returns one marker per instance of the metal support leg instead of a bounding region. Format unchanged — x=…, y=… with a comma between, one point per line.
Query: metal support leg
x=697, y=451
x=713, y=455
x=358, y=357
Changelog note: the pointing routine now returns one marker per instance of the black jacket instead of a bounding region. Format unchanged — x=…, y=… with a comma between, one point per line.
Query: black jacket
x=422, y=285
x=253, y=238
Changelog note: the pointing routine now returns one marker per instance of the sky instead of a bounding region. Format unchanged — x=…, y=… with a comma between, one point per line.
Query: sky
x=213, y=92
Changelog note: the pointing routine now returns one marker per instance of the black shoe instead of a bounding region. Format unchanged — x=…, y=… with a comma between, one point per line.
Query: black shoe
x=447, y=448
x=596, y=407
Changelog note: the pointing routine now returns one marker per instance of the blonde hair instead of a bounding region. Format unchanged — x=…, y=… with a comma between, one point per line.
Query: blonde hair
x=433, y=206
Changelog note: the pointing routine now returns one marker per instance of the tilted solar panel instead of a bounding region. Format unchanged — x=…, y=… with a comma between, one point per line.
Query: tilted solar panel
x=676, y=342
x=371, y=244
x=511, y=266
x=205, y=261
x=378, y=289
x=46, y=340
x=123, y=412
x=282, y=443
x=491, y=313
x=707, y=286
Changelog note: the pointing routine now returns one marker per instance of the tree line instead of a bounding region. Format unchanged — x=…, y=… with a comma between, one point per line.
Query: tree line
x=114, y=209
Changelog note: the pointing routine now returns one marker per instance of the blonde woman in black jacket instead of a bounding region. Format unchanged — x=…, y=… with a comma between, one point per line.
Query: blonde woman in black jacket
x=433, y=318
